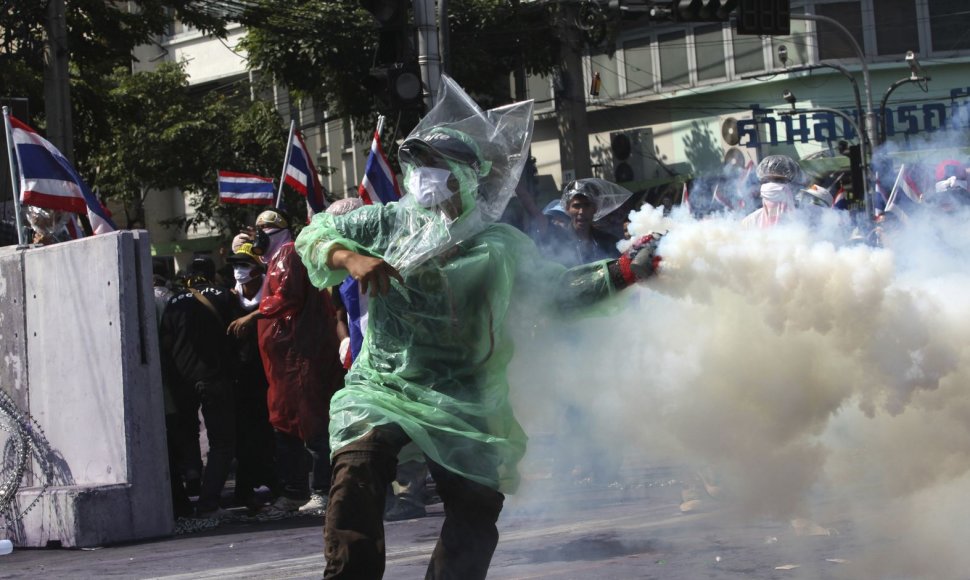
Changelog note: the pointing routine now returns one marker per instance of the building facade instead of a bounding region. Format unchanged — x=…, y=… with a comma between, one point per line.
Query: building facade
x=692, y=97
x=678, y=101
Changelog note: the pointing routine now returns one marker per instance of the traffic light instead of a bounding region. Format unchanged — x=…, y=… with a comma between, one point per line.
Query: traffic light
x=703, y=10
x=396, y=77
x=397, y=85
x=764, y=17
x=395, y=35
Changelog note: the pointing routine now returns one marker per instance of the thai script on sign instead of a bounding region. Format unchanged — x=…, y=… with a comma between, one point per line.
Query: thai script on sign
x=766, y=127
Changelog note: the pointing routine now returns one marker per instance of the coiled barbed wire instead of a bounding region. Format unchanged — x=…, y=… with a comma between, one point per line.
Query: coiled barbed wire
x=26, y=440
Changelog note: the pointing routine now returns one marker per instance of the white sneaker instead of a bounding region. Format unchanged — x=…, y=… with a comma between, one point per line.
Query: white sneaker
x=317, y=504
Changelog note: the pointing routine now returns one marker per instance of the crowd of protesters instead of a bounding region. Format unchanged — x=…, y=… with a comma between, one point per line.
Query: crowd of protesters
x=258, y=351
x=340, y=369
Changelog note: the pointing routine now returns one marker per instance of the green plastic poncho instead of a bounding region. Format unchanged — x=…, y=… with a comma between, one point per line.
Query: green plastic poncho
x=435, y=352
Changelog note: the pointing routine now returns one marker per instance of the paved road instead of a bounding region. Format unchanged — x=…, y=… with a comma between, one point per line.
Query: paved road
x=558, y=531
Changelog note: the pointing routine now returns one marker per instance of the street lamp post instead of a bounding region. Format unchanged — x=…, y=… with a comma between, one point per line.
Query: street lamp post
x=869, y=123
x=915, y=76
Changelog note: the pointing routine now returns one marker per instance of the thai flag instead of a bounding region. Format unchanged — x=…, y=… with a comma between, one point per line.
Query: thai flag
x=907, y=185
x=245, y=188
x=880, y=199
x=719, y=198
x=747, y=187
x=838, y=200
x=302, y=176
x=685, y=199
x=379, y=184
x=48, y=180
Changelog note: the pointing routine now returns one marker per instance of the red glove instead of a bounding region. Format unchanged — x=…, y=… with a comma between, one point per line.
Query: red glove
x=641, y=260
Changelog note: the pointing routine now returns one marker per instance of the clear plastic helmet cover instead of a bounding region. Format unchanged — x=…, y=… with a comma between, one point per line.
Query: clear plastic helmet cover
x=778, y=169
x=47, y=222
x=815, y=195
x=554, y=209
x=461, y=166
x=606, y=196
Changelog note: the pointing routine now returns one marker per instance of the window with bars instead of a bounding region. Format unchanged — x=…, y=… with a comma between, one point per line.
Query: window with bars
x=638, y=65
x=674, y=72
x=709, y=52
x=896, y=26
x=832, y=42
x=949, y=25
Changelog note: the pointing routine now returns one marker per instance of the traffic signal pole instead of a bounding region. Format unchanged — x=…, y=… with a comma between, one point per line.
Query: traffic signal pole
x=571, y=98
x=869, y=125
x=429, y=57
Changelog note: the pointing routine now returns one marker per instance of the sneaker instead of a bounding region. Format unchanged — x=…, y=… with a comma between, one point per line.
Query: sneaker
x=281, y=508
x=316, y=505
x=404, y=510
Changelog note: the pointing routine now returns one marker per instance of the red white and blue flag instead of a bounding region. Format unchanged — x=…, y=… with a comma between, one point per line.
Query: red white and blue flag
x=246, y=188
x=685, y=199
x=910, y=190
x=880, y=199
x=379, y=184
x=48, y=180
x=302, y=176
x=839, y=201
x=719, y=197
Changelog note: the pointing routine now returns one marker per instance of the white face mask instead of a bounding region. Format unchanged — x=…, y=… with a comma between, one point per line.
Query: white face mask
x=429, y=186
x=776, y=192
x=243, y=273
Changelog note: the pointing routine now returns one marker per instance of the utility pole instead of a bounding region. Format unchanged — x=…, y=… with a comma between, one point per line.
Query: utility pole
x=57, y=87
x=429, y=59
x=571, y=98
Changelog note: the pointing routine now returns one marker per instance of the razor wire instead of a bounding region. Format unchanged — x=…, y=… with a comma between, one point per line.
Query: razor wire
x=25, y=441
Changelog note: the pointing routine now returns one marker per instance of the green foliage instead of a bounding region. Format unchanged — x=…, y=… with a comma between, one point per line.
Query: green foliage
x=325, y=48
x=161, y=136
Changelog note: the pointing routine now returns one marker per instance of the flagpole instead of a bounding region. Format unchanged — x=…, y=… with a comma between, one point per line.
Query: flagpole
x=892, y=194
x=380, y=125
x=14, y=182
x=286, y=162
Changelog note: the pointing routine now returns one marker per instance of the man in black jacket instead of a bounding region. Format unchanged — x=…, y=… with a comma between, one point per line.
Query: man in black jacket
x=195, y=350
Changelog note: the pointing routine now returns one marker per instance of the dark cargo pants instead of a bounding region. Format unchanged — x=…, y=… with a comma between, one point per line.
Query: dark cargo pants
x=354, y=528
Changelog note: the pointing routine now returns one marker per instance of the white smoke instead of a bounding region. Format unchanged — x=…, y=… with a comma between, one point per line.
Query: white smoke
x=790, y=361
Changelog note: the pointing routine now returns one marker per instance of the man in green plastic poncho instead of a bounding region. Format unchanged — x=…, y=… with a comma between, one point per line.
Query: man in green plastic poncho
x=443, y=279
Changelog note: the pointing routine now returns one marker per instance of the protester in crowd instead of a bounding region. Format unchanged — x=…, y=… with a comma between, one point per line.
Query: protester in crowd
x=181, y=505
x=779, y=175
x=441, y=275
x=556, y=216
x=49, y=226
x=586, y=202
x=194, y=344
x=406, y=496
x=254, y=434
x=298, y=343
x=950, y=190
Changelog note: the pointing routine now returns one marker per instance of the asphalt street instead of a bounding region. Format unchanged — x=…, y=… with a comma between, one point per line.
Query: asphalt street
x=632, y=528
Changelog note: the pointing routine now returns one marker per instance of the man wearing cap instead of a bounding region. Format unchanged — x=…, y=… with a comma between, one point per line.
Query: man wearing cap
x=254, y=435
x=298, y=343
x=443, y=278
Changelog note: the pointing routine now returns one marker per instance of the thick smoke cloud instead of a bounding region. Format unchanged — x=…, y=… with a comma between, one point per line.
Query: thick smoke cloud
x=791, y=361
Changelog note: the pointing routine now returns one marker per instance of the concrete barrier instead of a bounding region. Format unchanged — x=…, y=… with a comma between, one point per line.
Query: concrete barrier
x=80, y=350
